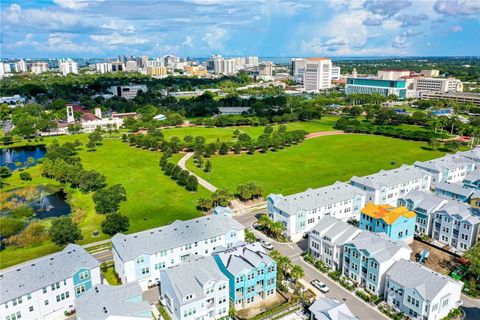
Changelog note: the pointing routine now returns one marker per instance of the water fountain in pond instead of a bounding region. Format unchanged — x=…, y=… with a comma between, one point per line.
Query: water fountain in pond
x=8, y=154
x=44, y=202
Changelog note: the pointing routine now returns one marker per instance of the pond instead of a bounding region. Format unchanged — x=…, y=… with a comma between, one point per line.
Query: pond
x=11, y=156
x=45, y=201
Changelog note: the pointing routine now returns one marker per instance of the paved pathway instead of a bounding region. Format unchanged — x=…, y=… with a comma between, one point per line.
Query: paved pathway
x=323, y=134
x=204, y=183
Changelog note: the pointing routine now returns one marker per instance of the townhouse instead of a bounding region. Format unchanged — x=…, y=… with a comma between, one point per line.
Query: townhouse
x=113, y=302
x=424, y=204
x=450, y=168
x=140, y=256
x=45, y=288
x=386, y=186
x=455, y=225
x=419, y=292
x=473, y=154
x=330, y=309
x=326, y=240
x=300, y=212
x=472, y=180
x=196, y=289
x=454, y=191
x=367, y=258
x=398, y=223
x=251, y=272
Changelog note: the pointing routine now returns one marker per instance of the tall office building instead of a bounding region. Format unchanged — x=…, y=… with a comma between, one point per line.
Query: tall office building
x=118, y=66
x=103, y=67
x=229, y=67
x=318, y=74
x=67, y=66
x=336, y=73
x=21, y=66
x=156, y=71
x=131, y=66
x=251, y=61
x=265, y=68
x=298, y=69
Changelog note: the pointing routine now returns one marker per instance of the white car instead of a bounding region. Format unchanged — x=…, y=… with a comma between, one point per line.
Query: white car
x=267, y=245
x=320, y=286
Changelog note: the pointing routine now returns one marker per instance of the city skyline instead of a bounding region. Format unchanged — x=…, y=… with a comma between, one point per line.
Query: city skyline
x=198, y=28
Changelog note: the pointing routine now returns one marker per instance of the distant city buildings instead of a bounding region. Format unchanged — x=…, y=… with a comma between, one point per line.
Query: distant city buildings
x=336, y=73
x=67, y=66
x=376, y=86
x=317, y=75
x=438, y=84
x=128, y=92
x=39, y=67
x=265, y=70
x=156, y=71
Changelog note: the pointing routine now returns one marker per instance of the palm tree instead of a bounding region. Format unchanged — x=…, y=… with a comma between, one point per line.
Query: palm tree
x=435, y=122
x=276, y=228
x=453, y=121
x=296, y=273
x=275, y=255
x=265, y=222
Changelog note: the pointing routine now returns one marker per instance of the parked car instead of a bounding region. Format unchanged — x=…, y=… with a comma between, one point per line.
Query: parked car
x=256, y=225
x=320, y=285
x=267, y=245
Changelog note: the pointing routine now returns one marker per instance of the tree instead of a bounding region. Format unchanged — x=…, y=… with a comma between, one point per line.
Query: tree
x=276, y=229
x=5, y=172
x=221, y=197
x=204, y=204
x=433, y=144
x=95, y=137
x=265, y=222
x=25, y=176
x=91, y=181
x=296, y=273
x=91, y=146
x=115, y=223
x=223, y=150
x=473, y=257
x=10, y=226
x=192, y=183
x=108, y=200
x=250, y=236
x=64, y=231
x=237, y=148
x=452, y=145
x=208, y=166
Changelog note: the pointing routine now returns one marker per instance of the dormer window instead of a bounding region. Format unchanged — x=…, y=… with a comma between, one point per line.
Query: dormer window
x=140, y=260
x=189, y=297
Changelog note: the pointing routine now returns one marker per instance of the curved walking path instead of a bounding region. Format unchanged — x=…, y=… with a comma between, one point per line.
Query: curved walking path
x=182, y=164
x=210, y=187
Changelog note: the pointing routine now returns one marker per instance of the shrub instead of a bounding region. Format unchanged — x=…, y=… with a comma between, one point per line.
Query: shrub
x=25, y=176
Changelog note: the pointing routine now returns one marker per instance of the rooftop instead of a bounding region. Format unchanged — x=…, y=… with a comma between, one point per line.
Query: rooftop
x=103, y=301
x=243, y=257
x=387, y=178
x=425, y=200
x=336, y=230
x=330, y=309
x=315, y=198
x=386, y=212
x=455, y=188
x=174, y=235
x=317, y=59
x=427, y=282
x=448, y=162
x=379, y=246
x=37, y=274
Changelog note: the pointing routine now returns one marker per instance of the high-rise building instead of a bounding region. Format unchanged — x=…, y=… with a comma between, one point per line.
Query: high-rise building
x=229, y=67
x=392, y=74
x=298, y=69
x=156, y=71
x=67, y=66
x=318, y=74
x=103, y=67
x=336, y=73
x=118, y=66
x=154, y=63
x=131, y=66
x=39, y=67
x=21, y=66
x=265, y=68
x=438, y=84
x=251, y=61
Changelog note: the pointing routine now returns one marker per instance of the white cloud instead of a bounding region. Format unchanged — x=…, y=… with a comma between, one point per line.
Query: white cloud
x=188, y=41
x=214, y=37
x=118, y=26
x=456, y=28
x=116, y=38
x=399, y=42
x=74, y=4
x=457, y=7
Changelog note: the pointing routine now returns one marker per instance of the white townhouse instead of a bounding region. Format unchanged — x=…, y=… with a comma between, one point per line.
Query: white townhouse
x=386, y=186
x=473, y=155
x=326, y=240
x=46, y=288
x=140, y=256
x=424, y=204
x=368, y=256
x=330, y=309
x=300, y=212
x=455, y=225
x=196, y=289
x=450, y=168
x=105, y=302
x=419, y=292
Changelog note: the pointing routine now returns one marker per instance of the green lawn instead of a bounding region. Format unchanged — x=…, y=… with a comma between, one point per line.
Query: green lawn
x=153, y=199
x=314, y=163
x=226, y=134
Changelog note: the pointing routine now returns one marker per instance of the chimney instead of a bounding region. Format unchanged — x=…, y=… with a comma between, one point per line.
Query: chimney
x=98, y=113
x=70, y=117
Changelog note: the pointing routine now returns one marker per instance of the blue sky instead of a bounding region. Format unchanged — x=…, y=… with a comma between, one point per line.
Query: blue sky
x=198, y=28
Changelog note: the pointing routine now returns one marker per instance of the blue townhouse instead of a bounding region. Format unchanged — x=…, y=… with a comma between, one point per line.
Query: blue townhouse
x=251, y=272
x=454, y=191
x=472, y=180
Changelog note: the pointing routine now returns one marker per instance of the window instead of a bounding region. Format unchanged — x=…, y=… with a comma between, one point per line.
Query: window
x=29, y=296
x=140, y=260
x=83, y=275
x=45, y=290
x=145, y=270
x=46, y=302
x=30, y=308
x=79, y=290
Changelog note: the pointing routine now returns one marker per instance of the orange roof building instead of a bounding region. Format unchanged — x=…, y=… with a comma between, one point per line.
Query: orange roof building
x=397, y=222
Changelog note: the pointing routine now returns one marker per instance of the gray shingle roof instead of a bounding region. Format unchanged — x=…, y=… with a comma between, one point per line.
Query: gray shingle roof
x=330, y=309
x=316, y=198
x=191, y=276
x=390, y=177
x=454, y=188
x=413, y=275
x=177, y=234
x=424, y=200
x=473, y=176
x=473, y=154
x=243, y=257
x=461, y=211
x=448, y=162
x=338, y=231
x=37, y=274
x=103, y=301
x=379, y=246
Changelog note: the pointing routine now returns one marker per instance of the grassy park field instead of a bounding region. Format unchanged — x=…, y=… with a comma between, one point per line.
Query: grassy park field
x=314, y=163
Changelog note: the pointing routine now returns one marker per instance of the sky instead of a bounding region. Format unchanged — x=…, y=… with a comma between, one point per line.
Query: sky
x=267, y=28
